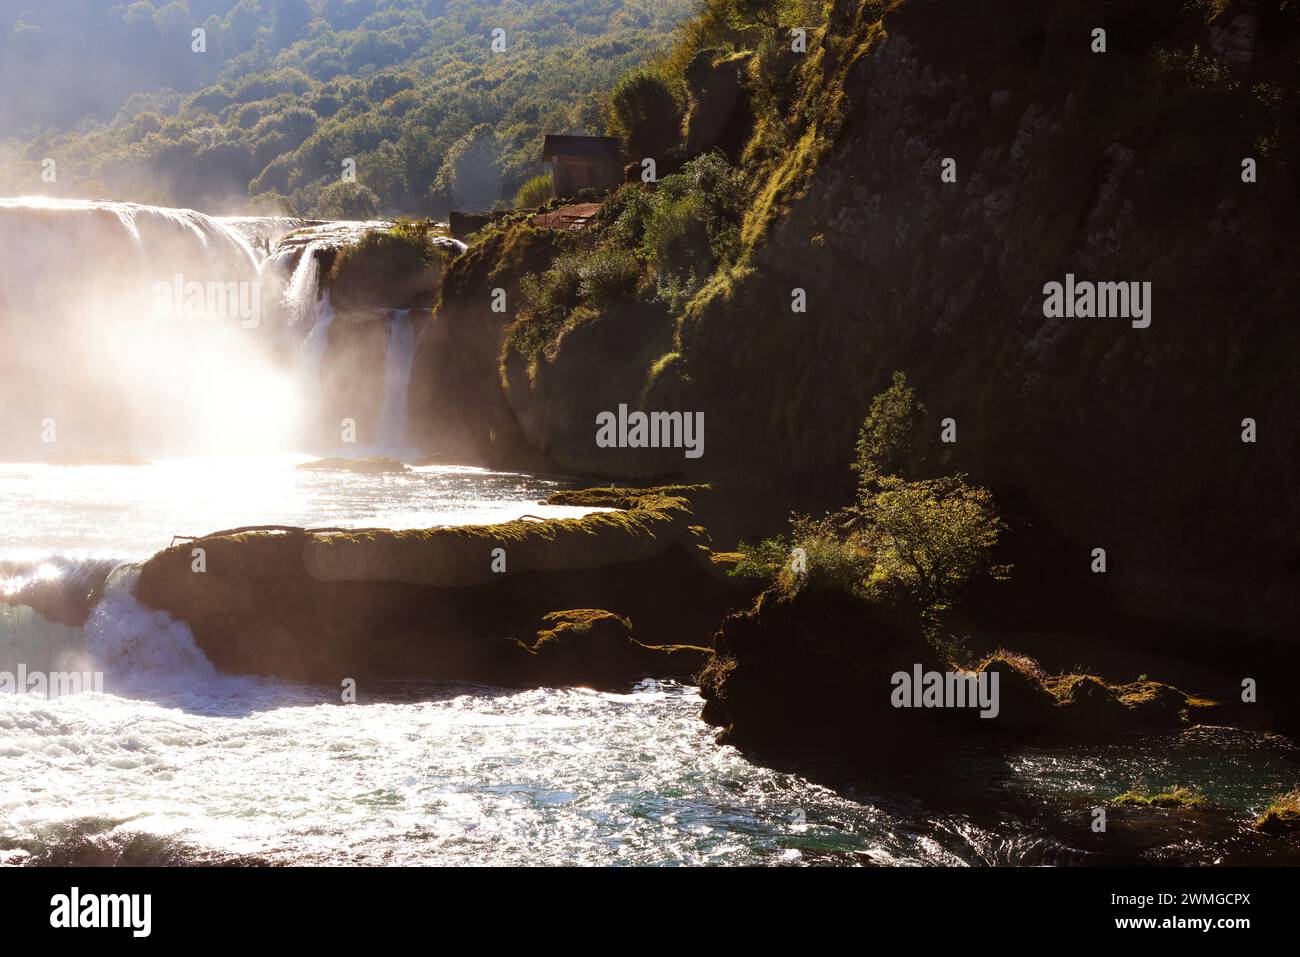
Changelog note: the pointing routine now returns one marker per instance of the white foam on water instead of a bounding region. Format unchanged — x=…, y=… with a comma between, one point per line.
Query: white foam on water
x=139, y=648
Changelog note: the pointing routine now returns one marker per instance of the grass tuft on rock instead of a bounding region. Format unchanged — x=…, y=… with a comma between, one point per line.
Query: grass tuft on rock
x=1177, y=797
x=1282, y=816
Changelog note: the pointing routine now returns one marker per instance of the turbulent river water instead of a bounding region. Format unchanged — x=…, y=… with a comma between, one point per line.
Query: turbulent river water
x=176, y=763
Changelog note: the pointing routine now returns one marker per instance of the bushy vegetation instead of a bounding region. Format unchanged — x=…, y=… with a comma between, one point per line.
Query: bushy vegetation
x=344, y=200
x=686, y=227
x=647, y=111
x=536, y=192
x=1179, y=796
x=287, y=90
x=928, y=537
x=576, y=286
x=403, y=257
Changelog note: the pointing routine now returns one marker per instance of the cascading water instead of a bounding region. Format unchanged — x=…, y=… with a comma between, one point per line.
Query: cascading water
x=397, y=380
x=300, y=296
x=131, y=329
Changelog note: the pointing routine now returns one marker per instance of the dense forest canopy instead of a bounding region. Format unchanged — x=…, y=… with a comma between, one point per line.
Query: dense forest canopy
x=283, y=93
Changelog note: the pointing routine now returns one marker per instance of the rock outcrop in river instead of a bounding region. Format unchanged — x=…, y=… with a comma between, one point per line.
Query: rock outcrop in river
x=468, y=602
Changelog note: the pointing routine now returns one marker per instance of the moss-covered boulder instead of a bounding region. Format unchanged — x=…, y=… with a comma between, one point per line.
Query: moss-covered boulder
x=1282, y=817
x=435, y=602
x=457, y=406
x=374, y=465
x=395, y=268
x=805, y=674
x=595, y=647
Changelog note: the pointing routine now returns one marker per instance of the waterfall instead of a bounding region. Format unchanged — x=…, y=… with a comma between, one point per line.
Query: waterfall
x=397, y=377
x=130, y=329
x=143, y=331
x=300, y=303
x=310, y=355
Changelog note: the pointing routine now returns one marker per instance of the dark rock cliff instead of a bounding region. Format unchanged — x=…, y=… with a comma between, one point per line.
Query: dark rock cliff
x=1116, y=166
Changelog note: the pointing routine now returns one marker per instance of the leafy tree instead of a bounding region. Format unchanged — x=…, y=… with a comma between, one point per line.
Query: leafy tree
x=344, y=200
x=647, y=110
x=931, y=536
x=470, y=178
x=536, y=192
x=885, y=439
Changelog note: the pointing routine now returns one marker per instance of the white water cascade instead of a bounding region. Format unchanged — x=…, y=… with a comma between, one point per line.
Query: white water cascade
x=300, y=303
x=397, y=379
x=133, y=330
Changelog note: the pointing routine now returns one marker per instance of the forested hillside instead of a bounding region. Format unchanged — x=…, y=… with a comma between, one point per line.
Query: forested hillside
x=285, y=91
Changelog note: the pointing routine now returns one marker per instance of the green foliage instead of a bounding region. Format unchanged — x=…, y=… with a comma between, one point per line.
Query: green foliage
x=403, y=257
x=536, y=192
x=647, y=108
x=271, y=204
x=816, y=555
x=885, y=439
x=576, y=283
x=289, y=89
x=929, y=538
x=771, y=14
x=686, y=227
x=470, y=178
x=607, y=276
x=344, y=200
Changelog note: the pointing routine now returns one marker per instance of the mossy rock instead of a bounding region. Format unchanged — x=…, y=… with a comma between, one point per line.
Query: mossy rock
x=386, y=269
x=611, y=496
x=1025, y=703
x=369, y=466
x=1282, y=817
x=595, y=647
x=1177, y=797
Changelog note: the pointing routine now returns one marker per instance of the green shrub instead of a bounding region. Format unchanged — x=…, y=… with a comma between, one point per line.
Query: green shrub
x=343, y=200
x=607, y=276
x=929, y=538
x=885, y=439
x=646, y=104
x=536, y=192
x=576, y=283
x=816, y=555
x=686, y=227
x=270, y=204
x=387, y=265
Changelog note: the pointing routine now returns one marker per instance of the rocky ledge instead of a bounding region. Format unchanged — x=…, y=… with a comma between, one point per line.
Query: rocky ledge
x=816, y=676
x=520, y=603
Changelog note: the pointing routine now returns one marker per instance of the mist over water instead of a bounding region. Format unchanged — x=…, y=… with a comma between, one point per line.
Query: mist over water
x=139, y=330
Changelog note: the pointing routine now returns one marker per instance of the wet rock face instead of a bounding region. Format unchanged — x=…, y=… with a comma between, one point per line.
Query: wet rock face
x=458, y=408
